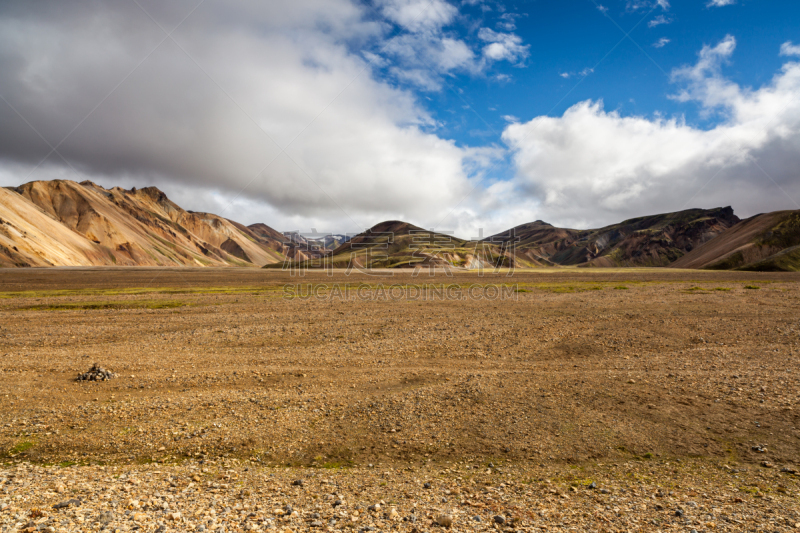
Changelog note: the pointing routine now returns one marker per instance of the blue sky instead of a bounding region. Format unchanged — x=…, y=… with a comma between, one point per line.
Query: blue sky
x=459, y=115
x=633, y=76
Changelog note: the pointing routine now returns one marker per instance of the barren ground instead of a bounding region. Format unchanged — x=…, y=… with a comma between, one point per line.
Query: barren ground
x=671, y=390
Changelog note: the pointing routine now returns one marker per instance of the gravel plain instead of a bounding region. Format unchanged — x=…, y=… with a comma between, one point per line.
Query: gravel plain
x=613, y=400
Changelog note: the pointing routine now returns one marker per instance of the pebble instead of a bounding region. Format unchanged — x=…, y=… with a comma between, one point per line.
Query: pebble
x=444, y=520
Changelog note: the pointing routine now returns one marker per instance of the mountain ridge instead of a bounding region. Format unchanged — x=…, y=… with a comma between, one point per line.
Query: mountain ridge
x=65, y=223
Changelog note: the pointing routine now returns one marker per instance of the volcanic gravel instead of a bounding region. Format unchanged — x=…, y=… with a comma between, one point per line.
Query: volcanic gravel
x=604, y=400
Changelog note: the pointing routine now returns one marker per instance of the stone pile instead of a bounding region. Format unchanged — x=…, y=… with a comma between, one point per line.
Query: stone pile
x=96, y=373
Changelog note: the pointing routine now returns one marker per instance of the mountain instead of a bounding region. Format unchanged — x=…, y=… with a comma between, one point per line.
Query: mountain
x=64, y=223
x=397, y=244
x=655, y=240
x=765, y=242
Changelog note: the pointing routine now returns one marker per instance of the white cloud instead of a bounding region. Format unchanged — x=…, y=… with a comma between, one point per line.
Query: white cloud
x=507, y=22
x=419, y=15
x=359, y=150
x=425, y=51
x=503, y=46
x=593, y=166
x=790, y=49
x=510, y=118
x=720, y=3
x=637, y=5
x=657, y=21
x=565, y=74
x=661, y=43
x=603, y=9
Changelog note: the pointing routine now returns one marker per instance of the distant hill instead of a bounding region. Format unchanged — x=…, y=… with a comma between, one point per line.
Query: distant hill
x=64, y=223
x=397, y=244
x=766, y=242
x=655, y=240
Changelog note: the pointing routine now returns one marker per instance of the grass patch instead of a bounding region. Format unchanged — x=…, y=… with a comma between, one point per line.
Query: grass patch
x=23, y=446
x=752, y=287
x=621, y=288
x=333, y=465
x=721, y=289
x=143, y=304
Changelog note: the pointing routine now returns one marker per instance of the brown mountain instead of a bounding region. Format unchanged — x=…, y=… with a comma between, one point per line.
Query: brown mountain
x=766, y=242
x=656, y=240
x=397, y=244
x=64, y=223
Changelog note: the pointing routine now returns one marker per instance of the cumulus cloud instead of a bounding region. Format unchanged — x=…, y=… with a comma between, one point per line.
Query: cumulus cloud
x=419, y=15
x=271, y=106
x=425, y=51
x=790, y=49
x=720, y=3
x=661, y=43
x=503, y=46
x=593, y=166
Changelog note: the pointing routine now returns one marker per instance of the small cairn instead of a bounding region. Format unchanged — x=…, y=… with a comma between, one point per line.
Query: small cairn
x=96, y=373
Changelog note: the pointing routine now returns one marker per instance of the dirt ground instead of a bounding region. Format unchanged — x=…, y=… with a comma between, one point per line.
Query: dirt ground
x=551, y=376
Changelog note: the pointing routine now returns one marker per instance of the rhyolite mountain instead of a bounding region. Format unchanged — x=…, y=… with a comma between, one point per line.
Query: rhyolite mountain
x=655, y=240
x=765, y=242
x=64, y=223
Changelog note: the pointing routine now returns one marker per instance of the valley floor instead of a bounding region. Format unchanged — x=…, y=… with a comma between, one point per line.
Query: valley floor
x=554, y=400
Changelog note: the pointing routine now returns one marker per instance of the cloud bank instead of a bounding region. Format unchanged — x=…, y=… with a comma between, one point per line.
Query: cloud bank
x=594, y=165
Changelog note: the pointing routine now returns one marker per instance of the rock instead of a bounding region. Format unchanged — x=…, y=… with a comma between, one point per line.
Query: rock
x=106, y=518
x=767, y=464
x=477, y=518
x=67, y=503
x=374, y=508
x=161, y=529
x=297, y=483
x=444, y=520
x=393, y=514
x=337, y=503
x=316, y=523
x=426, y=486
x=679, y=513
x=593, y=485
x=96, y=373
x=499, y=520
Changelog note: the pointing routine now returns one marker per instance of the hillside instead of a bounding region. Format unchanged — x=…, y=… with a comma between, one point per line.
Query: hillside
x=765, y=242
x=397, y=244
x=656, y=240
x=64, y=223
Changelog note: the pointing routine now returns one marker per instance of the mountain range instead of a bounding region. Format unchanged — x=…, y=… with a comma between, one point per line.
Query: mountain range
x=64, y=223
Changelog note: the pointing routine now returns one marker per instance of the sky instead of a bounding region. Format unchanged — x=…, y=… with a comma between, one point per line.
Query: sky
x=466, y=116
